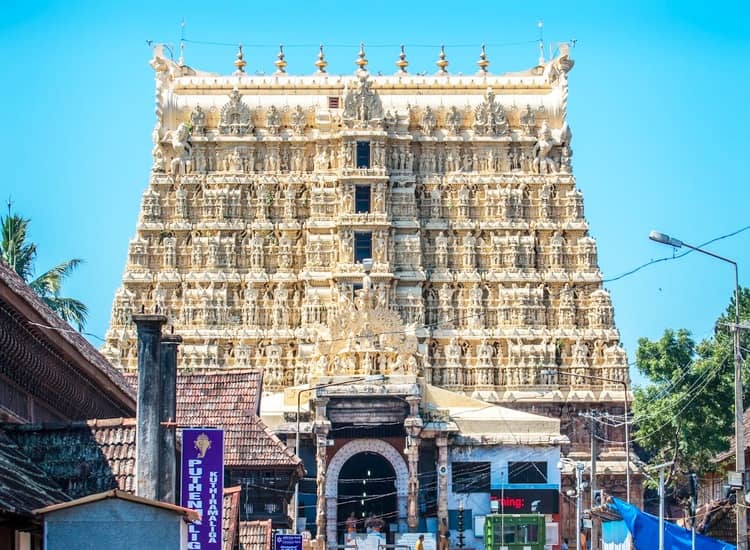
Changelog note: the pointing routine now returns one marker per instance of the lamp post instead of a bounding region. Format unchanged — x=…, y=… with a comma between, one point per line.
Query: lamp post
x=297, y=431
x=578, y=466
x=739, y=434
x=627, y=429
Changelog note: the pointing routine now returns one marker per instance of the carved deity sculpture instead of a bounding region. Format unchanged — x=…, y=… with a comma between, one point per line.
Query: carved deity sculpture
x=170, y=252
x=428, y=121
x=198, y=120
x=273, y=120
x=556, y=246
x=545, y=201
x=453, y=120
x=235, y=118
x=256, y=252
x=489, y=117
x=543, y=163
x=469, y=252
x=286, y=258
x=464, y=202
x=452, y=354
x=441, y=251
x=362, y=104
x=298, y=121
x=179, y=139
x=436, y=198
x=290, y=202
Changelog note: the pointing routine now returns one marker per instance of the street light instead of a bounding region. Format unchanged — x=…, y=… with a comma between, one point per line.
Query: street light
x=739, y=434
x=578, y=466
x=374, y=378
x=627, y=427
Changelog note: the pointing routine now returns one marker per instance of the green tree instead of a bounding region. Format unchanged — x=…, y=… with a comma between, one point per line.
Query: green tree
x=20, y=254
x=686, y=411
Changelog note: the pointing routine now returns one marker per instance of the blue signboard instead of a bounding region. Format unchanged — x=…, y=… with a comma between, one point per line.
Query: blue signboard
x=203, y=485
x=287, y=542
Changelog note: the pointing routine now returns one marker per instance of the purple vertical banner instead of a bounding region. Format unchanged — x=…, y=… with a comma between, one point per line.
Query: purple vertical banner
x=203, y=485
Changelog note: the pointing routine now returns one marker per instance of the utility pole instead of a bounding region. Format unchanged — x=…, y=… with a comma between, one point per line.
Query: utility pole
x=661, y=468
x=594, y=534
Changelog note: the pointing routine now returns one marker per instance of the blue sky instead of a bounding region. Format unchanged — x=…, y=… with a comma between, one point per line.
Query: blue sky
x=657, y=107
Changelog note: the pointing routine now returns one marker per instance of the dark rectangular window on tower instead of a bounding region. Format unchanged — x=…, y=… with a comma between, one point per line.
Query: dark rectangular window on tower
x=362, y=246
x=363, y=154
x=527, y=472
x=361, y=198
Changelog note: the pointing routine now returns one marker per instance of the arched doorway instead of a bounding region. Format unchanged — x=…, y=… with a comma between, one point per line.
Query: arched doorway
x=336, y=465
x=367, y=488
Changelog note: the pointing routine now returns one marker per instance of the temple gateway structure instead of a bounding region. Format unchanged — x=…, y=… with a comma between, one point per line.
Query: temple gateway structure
x=406, y=258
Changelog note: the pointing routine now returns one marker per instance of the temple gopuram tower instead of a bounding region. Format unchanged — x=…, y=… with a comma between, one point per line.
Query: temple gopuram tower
x=268, y=193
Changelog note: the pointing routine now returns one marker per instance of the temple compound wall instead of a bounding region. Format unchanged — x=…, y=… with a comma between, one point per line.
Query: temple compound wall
x=280, y=208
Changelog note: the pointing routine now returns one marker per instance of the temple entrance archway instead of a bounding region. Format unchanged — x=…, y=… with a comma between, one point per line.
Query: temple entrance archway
x=391, y=467
x=367, y=488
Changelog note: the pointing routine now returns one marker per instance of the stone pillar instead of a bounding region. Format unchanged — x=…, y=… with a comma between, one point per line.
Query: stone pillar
x=167, y=449
x=413, y=426
x=149, y=409
x=441, y=440
x=321, y=427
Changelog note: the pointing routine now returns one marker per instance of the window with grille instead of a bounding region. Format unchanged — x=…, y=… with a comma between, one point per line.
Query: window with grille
x=333, y=102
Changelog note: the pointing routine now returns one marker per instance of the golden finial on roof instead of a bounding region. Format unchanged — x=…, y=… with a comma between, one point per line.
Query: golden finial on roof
x=483, y=63
x=442, y=62
x=321, y=63
x=240, y=61
x=280, y=62
x=361, y=61
x=402, y=63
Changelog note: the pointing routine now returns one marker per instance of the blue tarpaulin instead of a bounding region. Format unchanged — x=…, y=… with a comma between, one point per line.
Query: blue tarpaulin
x=645, y=531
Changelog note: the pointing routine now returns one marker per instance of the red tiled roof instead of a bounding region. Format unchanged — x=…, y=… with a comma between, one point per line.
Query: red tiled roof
x=231, y=517
x=83, y=457
x=230, y=399
x=255, y=535
x=61, y=336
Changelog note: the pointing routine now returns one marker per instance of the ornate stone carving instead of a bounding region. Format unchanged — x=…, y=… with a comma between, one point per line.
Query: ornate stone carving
x=428, y=121
x=298, y=121
x=235, y=118
x=543, y=162
x=362, y=104
x=198, y=121
x=489, y=117
x=273, y=120
x=179, y=139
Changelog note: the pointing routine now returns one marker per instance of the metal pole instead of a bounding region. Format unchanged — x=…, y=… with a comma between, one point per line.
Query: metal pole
x=627, y=444
x=297, y=452
x=739, y=429
x=661, y=508
x=594, y=539
x=579, y=496
x=739, y=409
x=692, y=542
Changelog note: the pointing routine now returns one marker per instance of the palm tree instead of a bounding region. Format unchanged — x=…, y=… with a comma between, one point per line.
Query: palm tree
x=20, y=256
